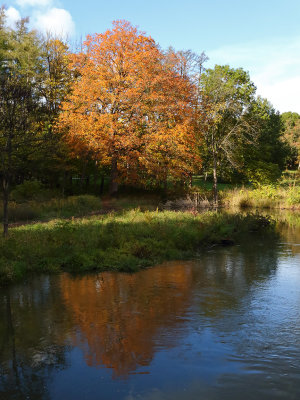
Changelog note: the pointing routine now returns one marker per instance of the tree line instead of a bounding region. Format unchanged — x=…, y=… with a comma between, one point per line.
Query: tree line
x=123, y=108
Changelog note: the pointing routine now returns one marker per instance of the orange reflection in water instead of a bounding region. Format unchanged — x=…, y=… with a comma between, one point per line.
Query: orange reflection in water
x=122, y=317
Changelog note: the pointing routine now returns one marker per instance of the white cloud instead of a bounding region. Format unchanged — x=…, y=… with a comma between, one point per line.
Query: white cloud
x=56, y=20
x=274, y=67
x=33, y=3
x=284, y=94
x=12, y=16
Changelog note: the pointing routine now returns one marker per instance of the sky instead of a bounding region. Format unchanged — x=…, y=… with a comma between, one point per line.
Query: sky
x=261, y=36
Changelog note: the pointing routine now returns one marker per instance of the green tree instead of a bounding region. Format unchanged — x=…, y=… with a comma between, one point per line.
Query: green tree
x=227, y=94
x=20, y=102
x=54, y=160
x=264, y=161
x=291, y=132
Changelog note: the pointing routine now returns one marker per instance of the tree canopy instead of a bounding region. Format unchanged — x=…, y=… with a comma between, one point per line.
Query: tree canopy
x=130, y=107
x=227, y=95
x=291, y=132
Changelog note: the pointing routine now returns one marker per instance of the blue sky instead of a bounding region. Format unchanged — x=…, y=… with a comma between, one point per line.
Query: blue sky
x=262, y=36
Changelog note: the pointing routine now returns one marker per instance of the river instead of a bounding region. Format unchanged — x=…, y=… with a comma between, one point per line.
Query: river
x=223, y=326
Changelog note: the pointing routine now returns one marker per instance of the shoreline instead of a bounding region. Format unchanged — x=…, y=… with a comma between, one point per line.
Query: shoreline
x=127, y=242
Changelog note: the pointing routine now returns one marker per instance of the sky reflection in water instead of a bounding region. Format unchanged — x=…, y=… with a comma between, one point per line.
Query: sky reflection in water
x=227, y=325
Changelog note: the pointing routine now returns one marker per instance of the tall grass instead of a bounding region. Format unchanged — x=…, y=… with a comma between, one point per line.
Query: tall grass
x=263, y=197
x=121, y=242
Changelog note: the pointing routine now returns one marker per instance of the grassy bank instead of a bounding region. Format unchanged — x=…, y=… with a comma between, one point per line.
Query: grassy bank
x=264, y=197
x=121, y=242
x=282, y=194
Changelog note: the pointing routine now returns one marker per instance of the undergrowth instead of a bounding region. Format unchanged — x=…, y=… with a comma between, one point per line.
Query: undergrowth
x=267, y=197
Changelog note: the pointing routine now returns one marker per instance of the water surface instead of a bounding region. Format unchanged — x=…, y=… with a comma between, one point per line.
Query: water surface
x=224, y=326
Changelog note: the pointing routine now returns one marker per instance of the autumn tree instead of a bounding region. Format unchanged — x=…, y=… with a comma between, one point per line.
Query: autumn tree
x=130, y=108
x=188, y=63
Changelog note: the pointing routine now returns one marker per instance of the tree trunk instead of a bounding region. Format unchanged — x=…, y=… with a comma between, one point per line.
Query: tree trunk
x=215, y=177
x=81, y=182
x=5, y=205
x=165, y=185
x=63, y=186
x=71, y=183
x=102, y=184
x=87, y=182
x=113, y=185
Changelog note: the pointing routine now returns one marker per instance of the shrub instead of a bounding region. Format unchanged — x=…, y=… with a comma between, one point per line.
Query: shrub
x=263, y=173
x=293, y=197
x=72, y=206
x=31, y=190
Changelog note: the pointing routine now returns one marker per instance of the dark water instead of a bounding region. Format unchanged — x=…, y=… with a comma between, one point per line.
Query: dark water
x=226, y=326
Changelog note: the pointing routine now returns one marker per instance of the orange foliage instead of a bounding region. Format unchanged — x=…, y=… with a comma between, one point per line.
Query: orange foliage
x=130, y=107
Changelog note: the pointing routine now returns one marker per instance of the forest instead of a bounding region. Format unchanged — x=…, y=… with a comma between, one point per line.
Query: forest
x=118, y=114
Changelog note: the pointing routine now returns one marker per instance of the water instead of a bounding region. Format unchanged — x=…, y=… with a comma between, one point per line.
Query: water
x=226, y=326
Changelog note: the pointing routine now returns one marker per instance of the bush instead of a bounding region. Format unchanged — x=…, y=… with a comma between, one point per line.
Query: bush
x=31, y=190
x=263, y=173
x=267, y=196
x=293, y=197
x=72, y=206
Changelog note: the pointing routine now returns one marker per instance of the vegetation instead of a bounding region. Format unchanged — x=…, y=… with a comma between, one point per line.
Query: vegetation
x=126, y=241
x=291, y=121
x=130, y=109
x=72, y=206
x=123, y=113
x=263, y=197
x=228, y=95
x=18, y=104
x=285, y=194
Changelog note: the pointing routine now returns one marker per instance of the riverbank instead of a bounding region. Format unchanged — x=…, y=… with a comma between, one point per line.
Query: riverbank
x=263, y=197
x=124, y=241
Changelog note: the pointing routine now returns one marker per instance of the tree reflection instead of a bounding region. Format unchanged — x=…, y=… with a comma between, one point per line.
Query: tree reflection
x=120, y=315
x=289, y=228
x=29, y=349
x=123, y=319
x=227, y=274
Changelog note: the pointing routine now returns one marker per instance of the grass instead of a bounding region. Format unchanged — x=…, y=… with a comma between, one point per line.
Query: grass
x=284, y=194
x=23, y=211
x=207, y=186
x=263, y=197
x=73, y=206
x=149, y=202
x=124, y=241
